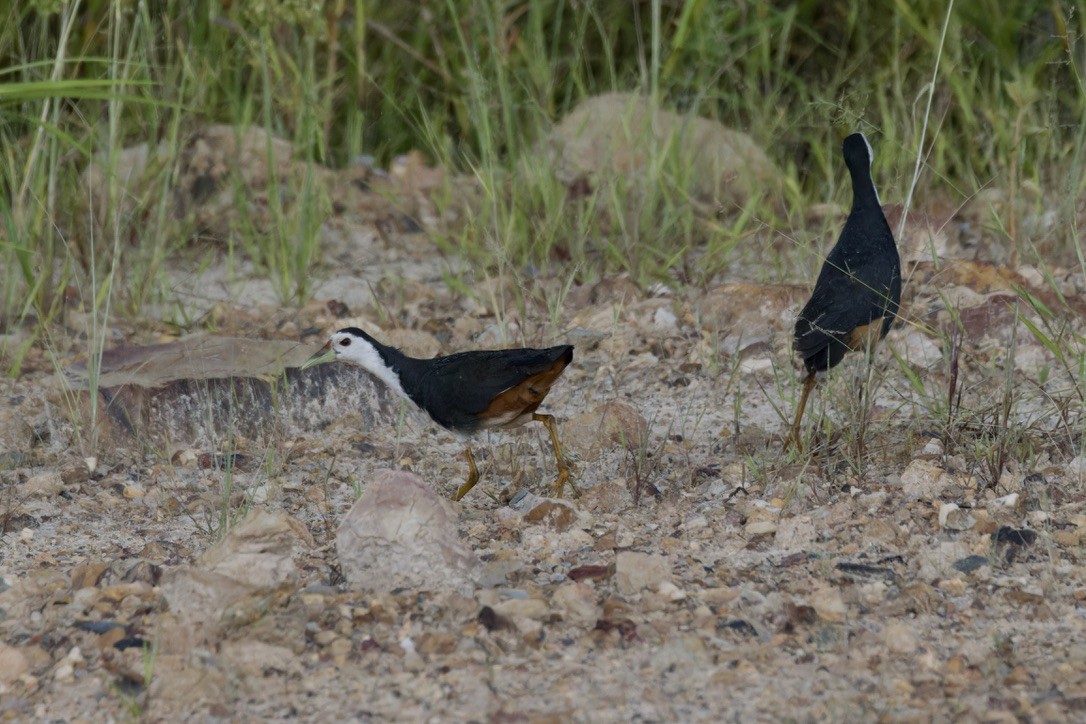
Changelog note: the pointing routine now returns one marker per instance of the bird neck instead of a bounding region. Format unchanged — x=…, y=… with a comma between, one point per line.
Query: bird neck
x=389, y=364
x=864, y=194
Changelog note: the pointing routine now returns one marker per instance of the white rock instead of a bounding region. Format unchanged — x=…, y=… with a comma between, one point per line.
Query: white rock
x=670, y=591
x=952, y=517
x=665, y=319
x=1007, y=501
x=635, y=571
x=829, y=605
x=531, y=608
x=401, y=534
x=577, y=601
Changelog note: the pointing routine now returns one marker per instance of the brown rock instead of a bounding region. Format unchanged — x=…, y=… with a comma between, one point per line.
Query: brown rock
x=88, y=576
x=610, y=496
x=555, y=513
x=44, y=485
x=530, y=608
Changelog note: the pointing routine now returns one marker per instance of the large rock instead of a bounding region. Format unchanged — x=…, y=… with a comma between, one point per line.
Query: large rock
x=621, y=134
x=401, y=534
x=259, y=551
x=236, y=581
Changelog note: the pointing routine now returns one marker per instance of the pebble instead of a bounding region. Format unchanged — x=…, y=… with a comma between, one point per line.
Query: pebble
x=13, y=664
x=554, y=513
x=924, y=480
x=610, y=425
x=43, y=484
x=577, y=602
x=828, y=604
x=530, y=608
x=636, y=571
x=952, y=517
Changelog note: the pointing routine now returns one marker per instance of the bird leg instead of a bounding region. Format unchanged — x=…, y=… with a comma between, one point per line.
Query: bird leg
x=563, y=470
x=794, y=439
x=473, y=475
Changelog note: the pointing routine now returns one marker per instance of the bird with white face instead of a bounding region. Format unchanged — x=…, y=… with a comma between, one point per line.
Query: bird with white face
x=465, y=392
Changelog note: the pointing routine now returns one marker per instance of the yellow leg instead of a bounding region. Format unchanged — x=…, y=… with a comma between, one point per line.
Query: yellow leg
x=564, y=476
x=794, y=438
x=473, y=476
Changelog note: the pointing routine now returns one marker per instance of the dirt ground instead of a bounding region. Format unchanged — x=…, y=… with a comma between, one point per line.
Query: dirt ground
x=192, y=568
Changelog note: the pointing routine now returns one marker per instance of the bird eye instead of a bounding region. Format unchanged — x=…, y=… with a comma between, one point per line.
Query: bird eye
x=345, y=343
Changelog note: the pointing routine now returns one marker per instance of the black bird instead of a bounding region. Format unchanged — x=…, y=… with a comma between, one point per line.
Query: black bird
x=465, y=392
x=858, y=290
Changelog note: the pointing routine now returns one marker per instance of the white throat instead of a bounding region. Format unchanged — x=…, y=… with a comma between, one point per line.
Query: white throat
x=366, y=356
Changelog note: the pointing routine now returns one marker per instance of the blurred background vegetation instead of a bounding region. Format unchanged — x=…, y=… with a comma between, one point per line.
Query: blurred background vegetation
x=474, y=84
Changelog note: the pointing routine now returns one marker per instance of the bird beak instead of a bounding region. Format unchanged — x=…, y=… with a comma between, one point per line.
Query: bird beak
x=324, y=354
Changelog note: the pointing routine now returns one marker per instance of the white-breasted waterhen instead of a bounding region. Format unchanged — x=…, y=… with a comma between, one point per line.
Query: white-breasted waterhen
x=857, y=294
x=465, y=392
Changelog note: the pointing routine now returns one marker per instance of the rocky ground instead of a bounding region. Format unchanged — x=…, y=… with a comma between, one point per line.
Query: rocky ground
x=199, y=551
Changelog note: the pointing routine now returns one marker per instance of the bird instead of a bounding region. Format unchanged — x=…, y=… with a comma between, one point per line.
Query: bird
x=466, y=392
x=858, y=291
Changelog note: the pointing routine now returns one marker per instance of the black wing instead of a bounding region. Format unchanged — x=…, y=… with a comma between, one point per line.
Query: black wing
x=858, y=284
x=456, y=389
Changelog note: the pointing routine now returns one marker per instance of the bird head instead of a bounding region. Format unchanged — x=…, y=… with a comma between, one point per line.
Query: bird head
x=857, y=152
x=351, y=344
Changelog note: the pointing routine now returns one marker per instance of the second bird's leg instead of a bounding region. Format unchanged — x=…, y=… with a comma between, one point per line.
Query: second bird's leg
x=794, y=438
x=564, y=476
x=473, y=475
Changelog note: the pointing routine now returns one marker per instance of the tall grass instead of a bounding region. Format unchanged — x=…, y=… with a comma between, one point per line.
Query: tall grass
x=476, y=86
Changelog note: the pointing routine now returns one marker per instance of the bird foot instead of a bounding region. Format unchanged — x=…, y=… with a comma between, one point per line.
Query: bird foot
x=560, y=483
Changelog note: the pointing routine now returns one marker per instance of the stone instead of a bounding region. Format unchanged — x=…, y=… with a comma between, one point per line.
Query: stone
x=535, y=609
x=577, y=603
x=401, y=534
x=43, y=485
x=925, y=480
x=636, y=571
x=952, y=517
x=612, y=135
x=259, y=550
x=797, y=533
x=829, y=605
x=609, y=496
x=13, y=664
x=554, y=513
